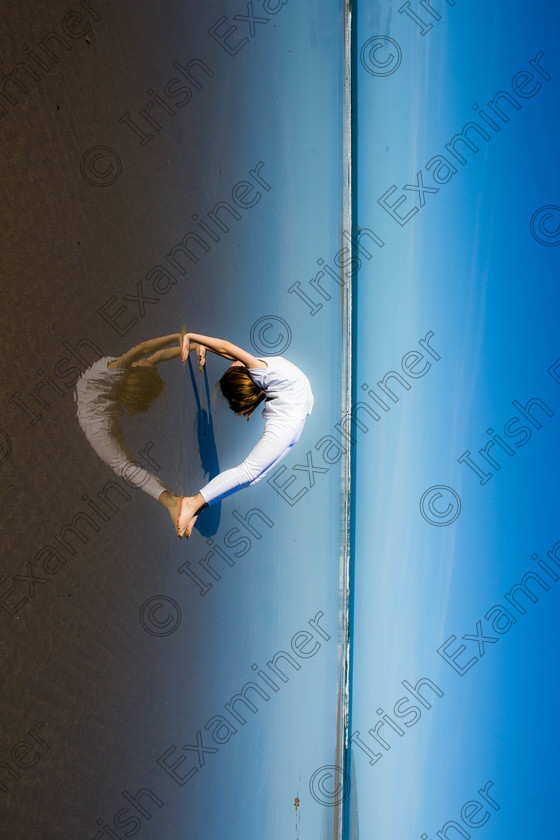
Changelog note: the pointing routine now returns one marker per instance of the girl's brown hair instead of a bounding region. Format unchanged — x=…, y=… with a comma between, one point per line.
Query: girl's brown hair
x=240, y=391
x=141, y=386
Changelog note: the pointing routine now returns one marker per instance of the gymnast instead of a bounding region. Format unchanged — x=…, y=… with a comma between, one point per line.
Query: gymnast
x=132, y=381
x=245, y=384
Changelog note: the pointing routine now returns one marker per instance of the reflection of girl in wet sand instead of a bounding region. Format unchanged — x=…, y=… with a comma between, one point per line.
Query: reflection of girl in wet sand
x=245, y=384
x=132, y=381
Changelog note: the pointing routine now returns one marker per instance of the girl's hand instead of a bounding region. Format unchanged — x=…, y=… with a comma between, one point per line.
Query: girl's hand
x=185, y=348
x=201, y=353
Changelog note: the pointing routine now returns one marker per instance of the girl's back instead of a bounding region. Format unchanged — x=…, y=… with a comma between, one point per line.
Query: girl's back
x=287, y=388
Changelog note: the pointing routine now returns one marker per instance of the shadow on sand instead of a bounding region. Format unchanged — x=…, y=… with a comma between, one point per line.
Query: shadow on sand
x=208, y=520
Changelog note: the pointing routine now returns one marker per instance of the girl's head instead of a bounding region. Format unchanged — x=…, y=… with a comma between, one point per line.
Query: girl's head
x=141, y=386
x=240, y=391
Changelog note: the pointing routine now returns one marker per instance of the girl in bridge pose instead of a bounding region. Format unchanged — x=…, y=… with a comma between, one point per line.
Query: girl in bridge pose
x=245, y=384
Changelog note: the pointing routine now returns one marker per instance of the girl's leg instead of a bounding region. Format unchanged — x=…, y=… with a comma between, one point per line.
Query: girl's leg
x=111, y=448
x=277, y=440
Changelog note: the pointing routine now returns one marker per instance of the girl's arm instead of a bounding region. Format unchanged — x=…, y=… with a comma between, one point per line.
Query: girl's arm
x=146, y=348
x=222, y=348
x=169, y=353
x=163, y=355
x=173, y=352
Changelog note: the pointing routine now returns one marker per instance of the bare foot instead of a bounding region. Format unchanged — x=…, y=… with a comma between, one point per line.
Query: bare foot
x=172, y=503
x=190, y=526
x=190, y=505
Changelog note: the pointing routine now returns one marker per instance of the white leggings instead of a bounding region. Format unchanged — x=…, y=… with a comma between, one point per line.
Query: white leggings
x=278, y=438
